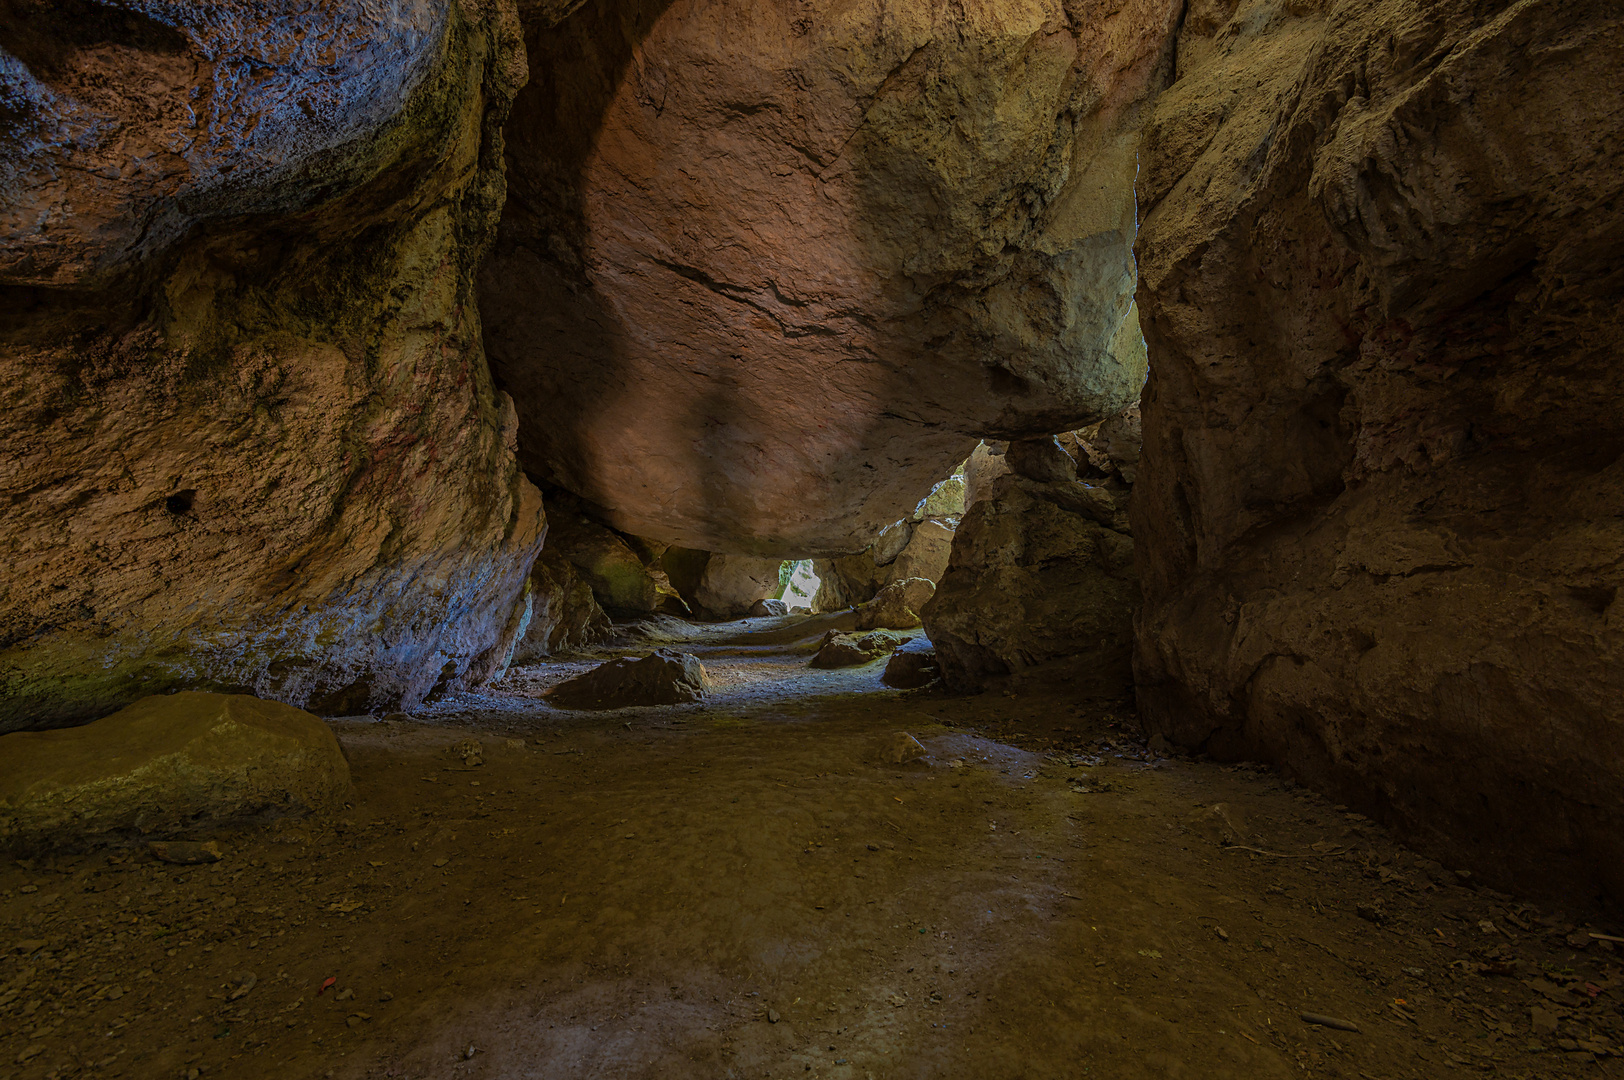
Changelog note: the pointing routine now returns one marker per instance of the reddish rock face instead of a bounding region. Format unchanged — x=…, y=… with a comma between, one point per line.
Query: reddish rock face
x=1380, y=506
x=768, y=269
x=247, y=436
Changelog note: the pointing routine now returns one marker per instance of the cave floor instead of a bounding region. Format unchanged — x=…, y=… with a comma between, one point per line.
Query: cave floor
x=745, y=889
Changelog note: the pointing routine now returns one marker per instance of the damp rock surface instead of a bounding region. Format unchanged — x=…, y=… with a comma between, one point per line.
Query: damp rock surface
x=166, y=764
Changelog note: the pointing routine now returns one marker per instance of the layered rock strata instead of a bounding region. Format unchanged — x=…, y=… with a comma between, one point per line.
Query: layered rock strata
x=1381, y=504
x=247, y=435
x=768, y=269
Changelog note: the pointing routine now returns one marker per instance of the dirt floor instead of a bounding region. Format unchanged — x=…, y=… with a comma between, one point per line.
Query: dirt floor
x=746, y=889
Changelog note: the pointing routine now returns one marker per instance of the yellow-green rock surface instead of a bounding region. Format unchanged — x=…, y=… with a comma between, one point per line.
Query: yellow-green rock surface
x=165, y=763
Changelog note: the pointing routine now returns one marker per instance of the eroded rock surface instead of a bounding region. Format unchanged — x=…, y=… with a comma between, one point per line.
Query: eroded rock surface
x=166, y=764
x=768, y=270
x=838, y=650
x=565, y=616
x=1040, y=572
x=1381, y=503
x=247, y=435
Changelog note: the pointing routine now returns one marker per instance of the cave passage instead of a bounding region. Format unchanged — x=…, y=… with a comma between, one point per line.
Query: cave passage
x=777, y=883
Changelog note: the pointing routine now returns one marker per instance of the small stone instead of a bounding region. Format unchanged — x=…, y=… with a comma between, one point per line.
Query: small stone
x=901, y=748
x=772, y=1016
x=186, y=852
x=344, y=995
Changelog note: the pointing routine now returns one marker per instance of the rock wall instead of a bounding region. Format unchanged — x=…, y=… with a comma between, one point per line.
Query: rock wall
x=769, y=269
x=248, y=440
x=1381, y=506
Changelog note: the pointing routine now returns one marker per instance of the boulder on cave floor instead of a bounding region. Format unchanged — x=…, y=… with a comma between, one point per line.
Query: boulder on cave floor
x=912, y=666
x=664, y=677
x=896, y=607
x=838, y=650
x=1040, y=572
x=768, y=609
x=164, y=765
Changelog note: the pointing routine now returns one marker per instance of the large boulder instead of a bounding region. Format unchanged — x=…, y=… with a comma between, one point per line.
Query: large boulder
x=926, y=554
x=247, y=434
x=838, y=649
x=565, y=616
x=664, y=677
x=769, y=270
x=1381, y=505
x=984, y=466
x=167, y=764
x=913, y=665
x=731, y=584
x=1039, y=573
x=897, y=606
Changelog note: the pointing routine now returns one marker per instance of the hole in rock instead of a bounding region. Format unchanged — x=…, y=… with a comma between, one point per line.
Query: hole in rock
x=181, y=501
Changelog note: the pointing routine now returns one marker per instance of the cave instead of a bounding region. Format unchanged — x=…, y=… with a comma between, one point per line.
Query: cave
x=768, y=538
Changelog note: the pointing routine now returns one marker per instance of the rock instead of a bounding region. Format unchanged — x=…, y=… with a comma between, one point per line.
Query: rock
x=985, y=465
x=731, y=585
x=768, y=609
x=901, y=749
x=248, y=436
x=1379, y=534
x=946, y=500
x=664, y=677
x=1035, y=578
x=892, y=542
x=564, y=614
x=912, y=666
x=839, y=650
x=619, y=578
x=926, y=554
x=167, y=764
x=766, y=271
x=1109, y=448
x=185, y=852
x=897, y=606
x=1042, y=460
x=1220, y=823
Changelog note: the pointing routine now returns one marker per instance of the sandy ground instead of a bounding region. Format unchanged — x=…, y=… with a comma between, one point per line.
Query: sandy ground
x=745, y=889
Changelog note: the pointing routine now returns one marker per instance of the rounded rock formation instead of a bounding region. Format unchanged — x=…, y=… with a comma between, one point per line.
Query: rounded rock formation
x=768, y=270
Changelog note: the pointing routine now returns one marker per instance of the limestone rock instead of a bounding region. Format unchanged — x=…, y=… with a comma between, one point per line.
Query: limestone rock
x=912, y=666
x=247, y=434
x=891, y=543
x=768, y=609
x=946, y=500
x=897, y=606
x=1379, y=509
x=839, y=650
x=164, y=765
x=565, y=616
x=926, y=554
x=985, y=465
x=664, y=677
x=1034, y=578
x=624, y=573
x=769, y=269
x=731, y=585
x=1043, y=460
